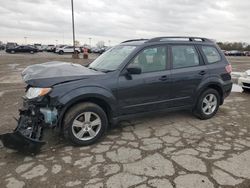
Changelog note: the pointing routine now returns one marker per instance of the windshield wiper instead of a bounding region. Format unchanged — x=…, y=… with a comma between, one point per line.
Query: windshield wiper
x=106, y=71
x=93, y=69
x=102, y=70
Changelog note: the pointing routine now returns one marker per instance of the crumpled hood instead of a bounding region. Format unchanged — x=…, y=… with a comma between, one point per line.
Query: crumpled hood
x=55, y=72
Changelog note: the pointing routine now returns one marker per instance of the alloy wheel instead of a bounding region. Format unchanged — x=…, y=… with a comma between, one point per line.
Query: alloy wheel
x=86, y=126
x=209, y=104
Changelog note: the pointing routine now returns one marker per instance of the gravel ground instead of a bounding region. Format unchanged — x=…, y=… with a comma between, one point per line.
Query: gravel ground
x=166, y=150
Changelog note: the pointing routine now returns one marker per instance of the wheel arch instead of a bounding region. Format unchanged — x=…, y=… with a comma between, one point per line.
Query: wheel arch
x=104, y=104
x=213, y=85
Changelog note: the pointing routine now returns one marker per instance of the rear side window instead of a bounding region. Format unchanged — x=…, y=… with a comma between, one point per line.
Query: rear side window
x=211, y=54
x=184, y=56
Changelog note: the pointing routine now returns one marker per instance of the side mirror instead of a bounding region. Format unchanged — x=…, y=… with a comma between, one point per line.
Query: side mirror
x=134, y=70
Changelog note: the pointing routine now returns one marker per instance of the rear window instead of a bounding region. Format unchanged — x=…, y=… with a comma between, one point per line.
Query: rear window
x=211, y=54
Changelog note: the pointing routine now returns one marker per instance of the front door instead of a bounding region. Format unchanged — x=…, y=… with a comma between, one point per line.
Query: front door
x=149, y=90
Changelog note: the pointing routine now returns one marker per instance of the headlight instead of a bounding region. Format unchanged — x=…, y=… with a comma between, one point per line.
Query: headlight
x=34, y=92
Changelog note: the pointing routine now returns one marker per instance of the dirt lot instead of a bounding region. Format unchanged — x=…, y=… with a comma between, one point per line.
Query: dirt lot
x=166, y=150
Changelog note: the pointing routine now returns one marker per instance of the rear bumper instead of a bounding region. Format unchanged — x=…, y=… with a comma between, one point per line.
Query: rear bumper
x=227, y=88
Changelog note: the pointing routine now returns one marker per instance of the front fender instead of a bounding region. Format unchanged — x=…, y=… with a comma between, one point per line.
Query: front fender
x=79, y=94
x=88, y=92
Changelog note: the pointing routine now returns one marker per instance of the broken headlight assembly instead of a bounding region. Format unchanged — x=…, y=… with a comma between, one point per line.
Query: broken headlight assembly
x=34, y=92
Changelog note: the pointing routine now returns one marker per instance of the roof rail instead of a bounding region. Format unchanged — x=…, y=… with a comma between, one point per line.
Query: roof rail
x=132, y=40
x=178, y=38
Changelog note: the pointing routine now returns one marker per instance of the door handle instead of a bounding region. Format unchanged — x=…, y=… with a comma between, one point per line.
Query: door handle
x=202, y=72
x=163, y=78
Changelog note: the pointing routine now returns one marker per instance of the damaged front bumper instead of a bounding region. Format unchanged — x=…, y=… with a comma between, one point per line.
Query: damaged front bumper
x=34, y=118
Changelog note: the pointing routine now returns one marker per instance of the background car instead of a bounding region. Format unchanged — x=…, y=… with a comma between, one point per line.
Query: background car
x=2, y=47
x=57, y=47
x=11, y=45
x=244, y=81
x=23, y=49
x=50, y=48
x=67, y=49
x=235, y=53
x=39, y=47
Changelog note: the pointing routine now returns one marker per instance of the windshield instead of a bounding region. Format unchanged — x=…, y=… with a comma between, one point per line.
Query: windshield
x=112, y=59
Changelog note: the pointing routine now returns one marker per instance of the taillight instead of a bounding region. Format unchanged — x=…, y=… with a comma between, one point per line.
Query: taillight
x=228, y=68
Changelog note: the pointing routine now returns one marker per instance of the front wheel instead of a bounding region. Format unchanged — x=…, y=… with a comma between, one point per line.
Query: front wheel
x=208, y=104
x=85, y=123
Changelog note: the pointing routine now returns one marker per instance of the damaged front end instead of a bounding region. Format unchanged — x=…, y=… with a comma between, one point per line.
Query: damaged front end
x=36, y=115
x=41, y=109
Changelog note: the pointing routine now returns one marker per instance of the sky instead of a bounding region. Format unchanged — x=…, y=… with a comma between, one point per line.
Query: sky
x=113, y=21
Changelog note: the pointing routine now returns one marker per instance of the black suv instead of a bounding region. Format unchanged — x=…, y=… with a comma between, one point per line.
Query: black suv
x=135, y=77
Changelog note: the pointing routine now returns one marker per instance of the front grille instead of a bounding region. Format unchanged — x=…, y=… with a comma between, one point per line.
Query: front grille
x=246, y=84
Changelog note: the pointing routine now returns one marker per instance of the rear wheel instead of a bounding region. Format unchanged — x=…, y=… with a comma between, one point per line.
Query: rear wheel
x=208, y=104
x=61, y=52
x=31, y=52
x=12, y=51
x=85, y=123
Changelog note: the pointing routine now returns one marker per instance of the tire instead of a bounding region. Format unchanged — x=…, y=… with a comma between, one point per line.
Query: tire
x=32, y=52
x=61, y=52
x=205, y=109
x=12, y=51
x=77, y=52
x=80, y=131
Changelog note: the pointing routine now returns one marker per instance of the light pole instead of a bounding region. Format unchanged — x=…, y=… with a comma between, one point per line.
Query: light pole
x=90, y=41
x=73, y=27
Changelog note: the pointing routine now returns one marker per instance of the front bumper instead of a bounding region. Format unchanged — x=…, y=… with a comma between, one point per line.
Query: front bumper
x=244, y=82
x=34, y=118
x=17, y=141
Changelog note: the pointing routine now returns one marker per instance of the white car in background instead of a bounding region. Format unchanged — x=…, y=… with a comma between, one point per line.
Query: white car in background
x=244, y=80
x=67, y=49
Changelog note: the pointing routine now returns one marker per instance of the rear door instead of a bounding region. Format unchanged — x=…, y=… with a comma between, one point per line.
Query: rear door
x=149, y=90
x=188, y=71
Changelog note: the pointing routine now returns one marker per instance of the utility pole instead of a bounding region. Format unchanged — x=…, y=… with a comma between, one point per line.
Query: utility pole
x=73, y=27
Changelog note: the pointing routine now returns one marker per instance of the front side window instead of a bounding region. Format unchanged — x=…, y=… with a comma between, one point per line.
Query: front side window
x=211, y=54
x=184, y=56
x=112, y=59
x=151, y=59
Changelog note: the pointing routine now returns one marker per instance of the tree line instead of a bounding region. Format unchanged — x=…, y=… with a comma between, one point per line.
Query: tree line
x=240, y=46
